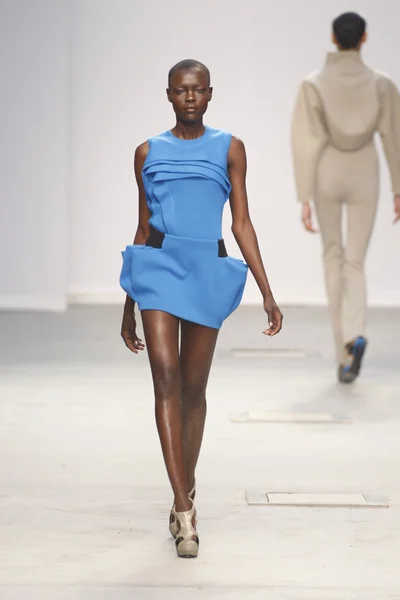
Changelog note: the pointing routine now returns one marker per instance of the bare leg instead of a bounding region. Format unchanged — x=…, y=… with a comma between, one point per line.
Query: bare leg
x=161, y=332
x=197, y=350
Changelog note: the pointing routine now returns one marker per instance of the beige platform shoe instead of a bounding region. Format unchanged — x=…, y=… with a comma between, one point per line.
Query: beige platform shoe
x=187, y=540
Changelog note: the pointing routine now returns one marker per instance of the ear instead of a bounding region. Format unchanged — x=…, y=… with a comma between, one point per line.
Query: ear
x=333, y=39
x=169, y=95
x=210, y=93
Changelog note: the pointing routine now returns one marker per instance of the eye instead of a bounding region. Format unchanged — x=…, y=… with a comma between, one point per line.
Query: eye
x=201, y=91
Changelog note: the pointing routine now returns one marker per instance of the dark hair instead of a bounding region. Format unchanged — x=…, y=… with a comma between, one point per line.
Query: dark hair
x=349, y=29
x=188, y=64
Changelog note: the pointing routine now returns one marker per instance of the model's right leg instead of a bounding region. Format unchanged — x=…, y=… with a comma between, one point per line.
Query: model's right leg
x=161, y=332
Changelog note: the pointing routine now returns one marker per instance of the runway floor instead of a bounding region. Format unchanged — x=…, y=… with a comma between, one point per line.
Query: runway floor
x=84, y=493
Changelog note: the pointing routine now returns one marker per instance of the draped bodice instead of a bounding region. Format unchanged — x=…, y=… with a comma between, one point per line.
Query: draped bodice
x=187, y=183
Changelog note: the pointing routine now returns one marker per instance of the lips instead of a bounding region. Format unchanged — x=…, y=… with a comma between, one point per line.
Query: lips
x=190, y=109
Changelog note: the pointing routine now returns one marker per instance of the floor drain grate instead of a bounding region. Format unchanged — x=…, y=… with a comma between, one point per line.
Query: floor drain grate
x=268, y=353
x=286, y=417
x=256, y=498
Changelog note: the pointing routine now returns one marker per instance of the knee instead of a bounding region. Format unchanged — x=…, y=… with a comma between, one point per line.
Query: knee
x=193, y=394
x=333, y=253
x=353, y=265
x=166, y=383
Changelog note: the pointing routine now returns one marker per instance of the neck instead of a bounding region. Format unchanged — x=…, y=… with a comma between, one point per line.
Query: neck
x=340, y=49
x=188, y=131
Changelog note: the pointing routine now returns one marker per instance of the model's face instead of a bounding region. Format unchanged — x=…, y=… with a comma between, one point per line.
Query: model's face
x=189, y=94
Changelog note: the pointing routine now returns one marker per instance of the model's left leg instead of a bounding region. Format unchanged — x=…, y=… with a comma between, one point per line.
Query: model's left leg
x=196, y=354
x=361, y=211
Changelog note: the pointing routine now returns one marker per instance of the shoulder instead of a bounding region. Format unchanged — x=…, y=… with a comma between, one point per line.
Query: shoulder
x=309, y=86
x=142, y=149
x=237, y=153
x=141, y=153
x=311, y=83
x=237, y=144
x=232, y=140
x=312, y=78
x=384, y=81
x=165, y=136
x=218, y=135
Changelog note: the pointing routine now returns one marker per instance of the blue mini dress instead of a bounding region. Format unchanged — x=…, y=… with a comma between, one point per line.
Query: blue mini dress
x=187, y=185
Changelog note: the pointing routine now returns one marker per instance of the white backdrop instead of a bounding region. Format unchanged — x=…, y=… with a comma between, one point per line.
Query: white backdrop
x=33, y=154
x=120, y=51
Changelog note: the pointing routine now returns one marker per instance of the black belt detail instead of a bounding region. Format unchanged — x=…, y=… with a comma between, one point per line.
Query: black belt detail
x=156, y=238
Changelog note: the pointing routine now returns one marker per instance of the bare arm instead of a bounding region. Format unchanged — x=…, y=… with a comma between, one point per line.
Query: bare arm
x=128, y=328
x=142, y=231
x=243, y=230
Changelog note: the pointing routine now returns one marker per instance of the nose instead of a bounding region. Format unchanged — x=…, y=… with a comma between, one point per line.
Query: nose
x=190, y=96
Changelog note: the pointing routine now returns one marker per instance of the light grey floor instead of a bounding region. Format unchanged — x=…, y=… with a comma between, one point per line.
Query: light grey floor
x=84, y=495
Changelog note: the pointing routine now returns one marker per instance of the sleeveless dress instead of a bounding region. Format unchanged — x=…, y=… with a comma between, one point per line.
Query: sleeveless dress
x=187, y=185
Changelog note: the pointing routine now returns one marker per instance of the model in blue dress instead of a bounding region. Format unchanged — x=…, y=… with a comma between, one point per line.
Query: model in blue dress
x=179, y=274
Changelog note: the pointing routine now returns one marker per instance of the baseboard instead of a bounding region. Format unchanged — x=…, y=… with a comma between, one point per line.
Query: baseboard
x=32, y=302
x=103, y=295
x=95, y=295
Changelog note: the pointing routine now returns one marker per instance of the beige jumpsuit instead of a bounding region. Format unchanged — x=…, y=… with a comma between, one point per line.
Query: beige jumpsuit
x=336, y=114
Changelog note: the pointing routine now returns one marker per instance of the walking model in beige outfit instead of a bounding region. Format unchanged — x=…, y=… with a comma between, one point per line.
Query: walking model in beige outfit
x=337, y=112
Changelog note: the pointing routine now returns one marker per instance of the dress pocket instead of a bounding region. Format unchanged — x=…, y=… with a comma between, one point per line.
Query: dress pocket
x=238, y=261
x=231, y=282
x=125, y=278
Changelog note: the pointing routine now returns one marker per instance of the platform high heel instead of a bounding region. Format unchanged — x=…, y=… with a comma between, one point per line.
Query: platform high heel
x=187, y=540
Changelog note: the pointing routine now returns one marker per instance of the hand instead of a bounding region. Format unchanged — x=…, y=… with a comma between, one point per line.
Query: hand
x=396, y=200
x=128, y=333
x=275, y=317
x=306, y=217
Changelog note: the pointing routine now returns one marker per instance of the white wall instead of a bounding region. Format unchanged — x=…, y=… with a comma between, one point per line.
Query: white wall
x=73, y=117
x=258, y=51
x=33, y=155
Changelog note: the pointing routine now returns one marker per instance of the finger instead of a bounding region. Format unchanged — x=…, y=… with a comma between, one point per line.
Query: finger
x=309, y=226
x=139, y=344
x=130, y=344
x=276, y=325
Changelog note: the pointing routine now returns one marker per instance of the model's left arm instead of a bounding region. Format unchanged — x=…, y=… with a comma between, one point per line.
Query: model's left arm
x=243, y=230
x=389, y=129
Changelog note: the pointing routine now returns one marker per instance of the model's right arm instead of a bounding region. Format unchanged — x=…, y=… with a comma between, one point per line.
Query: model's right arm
x=143, y=228
x=308, y=136
x=142, y=231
